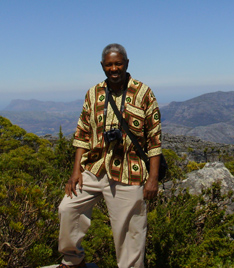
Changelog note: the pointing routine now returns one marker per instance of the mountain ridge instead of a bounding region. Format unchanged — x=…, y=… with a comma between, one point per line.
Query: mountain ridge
x=48, y=106
x=209, y=116
x=200, y=110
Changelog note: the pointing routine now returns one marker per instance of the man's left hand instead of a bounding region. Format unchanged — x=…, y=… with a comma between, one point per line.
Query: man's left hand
x=151, y=188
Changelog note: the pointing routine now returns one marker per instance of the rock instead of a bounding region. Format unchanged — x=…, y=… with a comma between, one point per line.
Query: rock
x=204, y=178
x=198, y=180
x=196, y=149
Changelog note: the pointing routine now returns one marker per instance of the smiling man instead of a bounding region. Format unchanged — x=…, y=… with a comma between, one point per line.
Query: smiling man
x=115, y=66
x=107, y=165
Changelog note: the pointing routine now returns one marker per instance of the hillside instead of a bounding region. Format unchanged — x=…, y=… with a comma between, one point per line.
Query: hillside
x=209, y=116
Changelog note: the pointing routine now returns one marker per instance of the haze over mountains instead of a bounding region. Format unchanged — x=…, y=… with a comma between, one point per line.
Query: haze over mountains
x=44, y=117
x=209, y=116
x=44, y=106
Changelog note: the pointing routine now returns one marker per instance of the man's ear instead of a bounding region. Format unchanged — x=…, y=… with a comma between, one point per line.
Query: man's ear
x=127, y=62
x=102, y=65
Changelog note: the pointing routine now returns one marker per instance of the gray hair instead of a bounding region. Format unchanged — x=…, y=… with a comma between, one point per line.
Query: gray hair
x=114, y=48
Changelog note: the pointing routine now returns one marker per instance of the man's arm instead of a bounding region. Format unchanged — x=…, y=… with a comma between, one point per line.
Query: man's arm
x=151, y=186
x=76, y=176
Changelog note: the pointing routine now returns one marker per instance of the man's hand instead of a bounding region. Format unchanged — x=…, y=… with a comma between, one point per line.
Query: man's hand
x=71, y=184
x=76, y=176
x=151, y=188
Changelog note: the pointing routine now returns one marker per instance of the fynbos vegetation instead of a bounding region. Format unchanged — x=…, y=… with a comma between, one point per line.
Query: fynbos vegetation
x=183, y=230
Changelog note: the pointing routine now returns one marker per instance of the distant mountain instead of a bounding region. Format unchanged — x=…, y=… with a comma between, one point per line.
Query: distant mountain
x=209, y=116
x=44, y=117
x=44, y=106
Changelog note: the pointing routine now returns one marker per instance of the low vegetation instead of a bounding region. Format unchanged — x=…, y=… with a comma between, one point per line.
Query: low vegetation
x=183, y=231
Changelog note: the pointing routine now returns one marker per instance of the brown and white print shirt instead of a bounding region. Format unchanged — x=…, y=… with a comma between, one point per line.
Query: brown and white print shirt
x=119, y=159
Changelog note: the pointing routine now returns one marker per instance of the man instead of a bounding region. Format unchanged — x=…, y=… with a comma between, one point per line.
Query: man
x=107, y=165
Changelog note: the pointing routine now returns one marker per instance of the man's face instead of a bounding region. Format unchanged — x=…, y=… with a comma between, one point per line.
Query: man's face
x=115, y=67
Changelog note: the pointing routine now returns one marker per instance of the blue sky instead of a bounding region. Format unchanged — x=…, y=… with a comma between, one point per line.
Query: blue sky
x=51, y=49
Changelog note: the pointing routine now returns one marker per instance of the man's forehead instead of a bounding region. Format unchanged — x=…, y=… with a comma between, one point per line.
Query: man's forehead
x=114, y=55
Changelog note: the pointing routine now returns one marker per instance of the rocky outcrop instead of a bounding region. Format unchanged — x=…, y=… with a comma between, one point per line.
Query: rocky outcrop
x=196, y=149
x=202, y=179
x=197, y=180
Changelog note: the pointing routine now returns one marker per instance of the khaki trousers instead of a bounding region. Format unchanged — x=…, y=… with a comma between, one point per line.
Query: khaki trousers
x=127, y=211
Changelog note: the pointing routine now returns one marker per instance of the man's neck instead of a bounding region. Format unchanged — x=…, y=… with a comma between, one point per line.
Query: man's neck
x=117, y=87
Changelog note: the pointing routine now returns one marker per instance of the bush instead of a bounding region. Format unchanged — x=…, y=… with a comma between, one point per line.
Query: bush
x=32, y=186
x=190, y=231
x=98, y=243
x=175, y=165
x=192, y=165
x=230, y=166
x=183, y=231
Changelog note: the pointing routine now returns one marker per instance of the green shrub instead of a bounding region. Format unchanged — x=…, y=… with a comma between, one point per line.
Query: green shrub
x=192, y=165
x=230, y=166
x=175, y=165
x=98, y=243
x=190, y=231
x=31, y=188
x=183, y=231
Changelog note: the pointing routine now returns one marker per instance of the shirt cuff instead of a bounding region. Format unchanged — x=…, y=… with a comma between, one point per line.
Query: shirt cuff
x=155, y=152
x=81, y=144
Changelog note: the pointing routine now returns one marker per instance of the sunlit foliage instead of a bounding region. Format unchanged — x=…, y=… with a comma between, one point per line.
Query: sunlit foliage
x=183, y=230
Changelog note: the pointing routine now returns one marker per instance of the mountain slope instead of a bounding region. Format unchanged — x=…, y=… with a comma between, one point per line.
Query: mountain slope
x=209, y=116
x=211, y=108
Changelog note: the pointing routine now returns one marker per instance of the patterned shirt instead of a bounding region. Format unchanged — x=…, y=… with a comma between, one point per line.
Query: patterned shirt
x=119, y=159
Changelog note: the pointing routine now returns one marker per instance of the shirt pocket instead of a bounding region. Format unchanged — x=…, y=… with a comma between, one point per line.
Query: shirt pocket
x=135, y=117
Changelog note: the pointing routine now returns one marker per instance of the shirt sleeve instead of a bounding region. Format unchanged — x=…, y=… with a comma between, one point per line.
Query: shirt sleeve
x=152, y=124
x=82, y=134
